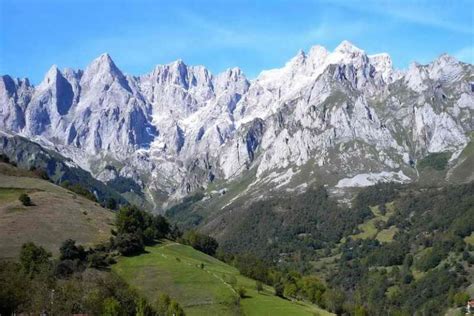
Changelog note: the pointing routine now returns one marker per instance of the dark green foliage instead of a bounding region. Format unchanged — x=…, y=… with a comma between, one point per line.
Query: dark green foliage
x=165, y=306
x=122, y=185
x=14, y=287
x=378, y=194
x=436, y=161
x=99, y=260
x=391, y=254
x=437, y=218
x=364, y=276
x=70, y=251
x=200, y=242
x=279, y=288
x=27, y=287
x=430, y=294
x=460, y=299
x=253, y=267
x=38, y=285
x=129, y=244
x=25, y=199
x=334, y=300
x=183, y=212
x=303, y=223
x=33, y=258
x=135, y=228
x=430, y=259
x=111, y=204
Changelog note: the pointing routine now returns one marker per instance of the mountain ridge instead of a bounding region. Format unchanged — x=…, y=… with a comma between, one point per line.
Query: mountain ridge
x=180, y=128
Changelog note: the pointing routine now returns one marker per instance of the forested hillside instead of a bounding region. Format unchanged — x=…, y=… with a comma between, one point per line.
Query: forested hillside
x=395, y=249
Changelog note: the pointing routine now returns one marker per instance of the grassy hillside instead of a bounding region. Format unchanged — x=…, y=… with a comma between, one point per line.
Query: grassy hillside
x=202, y=284
x=57, y=214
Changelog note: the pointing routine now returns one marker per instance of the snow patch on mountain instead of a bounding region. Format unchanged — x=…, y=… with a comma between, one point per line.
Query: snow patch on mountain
x=368, y=179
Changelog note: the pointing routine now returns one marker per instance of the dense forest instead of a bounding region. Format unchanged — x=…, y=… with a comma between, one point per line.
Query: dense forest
x=396, y=250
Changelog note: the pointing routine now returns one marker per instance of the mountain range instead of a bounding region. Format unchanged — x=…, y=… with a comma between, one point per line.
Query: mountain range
x=343, y=119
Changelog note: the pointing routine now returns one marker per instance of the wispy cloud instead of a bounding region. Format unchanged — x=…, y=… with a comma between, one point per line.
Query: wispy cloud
x=438, y=14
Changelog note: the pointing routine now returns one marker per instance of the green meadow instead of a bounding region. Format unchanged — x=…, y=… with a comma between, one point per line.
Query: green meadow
x=202, y=284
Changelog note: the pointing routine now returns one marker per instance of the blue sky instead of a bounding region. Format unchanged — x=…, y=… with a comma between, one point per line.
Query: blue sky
x=253, y=35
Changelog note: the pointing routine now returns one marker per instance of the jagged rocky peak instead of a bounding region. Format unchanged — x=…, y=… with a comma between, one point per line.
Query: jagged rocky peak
x=382, y=64
x=102, y=73
x=233, y=79
x=445, y=68
x=178, y=73
x=348, y=48
x=180, y=122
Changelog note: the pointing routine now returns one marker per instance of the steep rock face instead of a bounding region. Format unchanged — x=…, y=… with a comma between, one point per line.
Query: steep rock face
x=324, y=115
x=14, y=97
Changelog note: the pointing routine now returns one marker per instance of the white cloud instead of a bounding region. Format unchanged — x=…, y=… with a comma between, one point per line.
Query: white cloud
x=442, y=15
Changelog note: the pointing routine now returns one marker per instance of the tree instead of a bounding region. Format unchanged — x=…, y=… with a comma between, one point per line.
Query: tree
x=129, y=244
x=334, y=300
x=33, y=258
x=460, y=299
x=162, y=226
x=25, y=199
x=201, y=242
x=69, y=251
x=258, y=286
x=166, y=306
x=111, y=204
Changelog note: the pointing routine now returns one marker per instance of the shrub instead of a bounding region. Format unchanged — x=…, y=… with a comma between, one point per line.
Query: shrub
x=460, y=299
x=201, y=242
x=436, y=161
x=279, y=288
x=128, y=244
x=33, y=257
x=69, y=251
x=25, y=199
x=111, y=307
x=241, y=291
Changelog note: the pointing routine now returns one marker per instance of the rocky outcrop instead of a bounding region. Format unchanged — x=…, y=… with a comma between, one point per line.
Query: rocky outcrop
x=180, y=127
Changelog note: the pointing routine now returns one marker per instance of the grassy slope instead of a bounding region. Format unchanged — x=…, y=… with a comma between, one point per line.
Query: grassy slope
x=44, y=223
x=462, y=171
x=369, y=230
x=201, y=291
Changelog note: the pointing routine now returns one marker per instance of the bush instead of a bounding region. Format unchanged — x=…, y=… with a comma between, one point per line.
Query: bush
x=33, y=258
x=129, y=244
x=241, y=291
x=69, y=251
x=111, y=307
x=279, y=288
x=166, y=306
x=25, y=199
x=200, y=242
x=460, y=299
x=132, y=220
